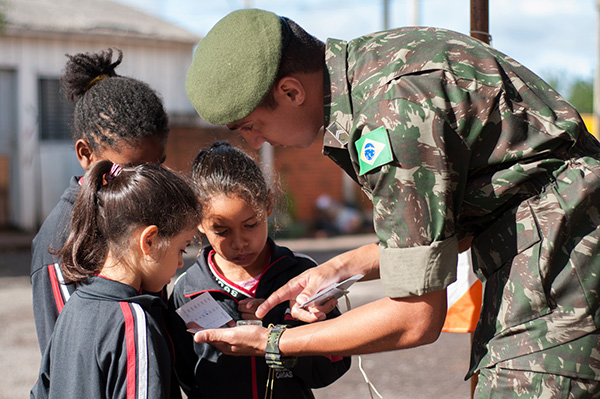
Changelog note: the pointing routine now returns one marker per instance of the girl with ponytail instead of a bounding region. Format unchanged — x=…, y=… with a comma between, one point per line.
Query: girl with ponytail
x=129, y=229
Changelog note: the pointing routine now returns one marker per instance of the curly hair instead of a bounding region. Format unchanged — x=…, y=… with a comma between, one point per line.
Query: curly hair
x=110, y=108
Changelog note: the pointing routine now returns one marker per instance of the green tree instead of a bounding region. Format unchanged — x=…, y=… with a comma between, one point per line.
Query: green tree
x=581, y=95
x=2, y=16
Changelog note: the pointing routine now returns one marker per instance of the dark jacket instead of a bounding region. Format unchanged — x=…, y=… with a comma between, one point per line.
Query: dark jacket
x=204, y=372
x=110, y=341
x=49, y=291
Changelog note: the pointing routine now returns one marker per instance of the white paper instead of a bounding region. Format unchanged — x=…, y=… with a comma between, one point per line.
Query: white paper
x=203, y=312
x=336, y=290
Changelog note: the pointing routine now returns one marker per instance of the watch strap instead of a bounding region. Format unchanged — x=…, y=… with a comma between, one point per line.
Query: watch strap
x=272, y=354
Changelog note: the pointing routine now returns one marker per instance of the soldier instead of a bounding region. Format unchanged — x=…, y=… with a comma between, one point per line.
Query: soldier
x=456, y=144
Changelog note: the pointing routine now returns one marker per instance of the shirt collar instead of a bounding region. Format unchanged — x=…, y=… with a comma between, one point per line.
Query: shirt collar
x=338, y=107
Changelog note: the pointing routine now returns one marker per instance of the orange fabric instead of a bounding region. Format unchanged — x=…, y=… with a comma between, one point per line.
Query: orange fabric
x=462, y=316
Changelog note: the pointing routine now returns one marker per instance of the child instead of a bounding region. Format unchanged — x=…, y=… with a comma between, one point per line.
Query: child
x=128, y=232
x=116, y=118
x=240, y=264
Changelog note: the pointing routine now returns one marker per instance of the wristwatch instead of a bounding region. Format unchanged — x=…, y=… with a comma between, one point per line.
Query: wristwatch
x=272, y=354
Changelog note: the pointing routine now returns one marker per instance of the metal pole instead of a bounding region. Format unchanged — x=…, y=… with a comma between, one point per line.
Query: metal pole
x=416, y=12
x=386, y=14
x=596, y=118
x=480, y=20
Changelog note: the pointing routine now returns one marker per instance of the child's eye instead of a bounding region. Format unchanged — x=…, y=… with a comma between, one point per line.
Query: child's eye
x=183, y=251
x=253, y=225
x=220, y=233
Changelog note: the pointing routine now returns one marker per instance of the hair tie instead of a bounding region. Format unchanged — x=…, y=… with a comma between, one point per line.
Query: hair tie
x=115, y=170
x=95, y=80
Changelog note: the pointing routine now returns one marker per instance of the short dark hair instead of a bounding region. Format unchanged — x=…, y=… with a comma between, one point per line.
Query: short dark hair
x=110, y=108
x=105, y=215
x=304, y=53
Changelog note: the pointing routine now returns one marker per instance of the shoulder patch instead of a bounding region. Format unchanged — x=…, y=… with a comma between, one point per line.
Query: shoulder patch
x=374, y=150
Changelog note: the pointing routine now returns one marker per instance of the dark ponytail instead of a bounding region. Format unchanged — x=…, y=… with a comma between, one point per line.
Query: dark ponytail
x=106, y=215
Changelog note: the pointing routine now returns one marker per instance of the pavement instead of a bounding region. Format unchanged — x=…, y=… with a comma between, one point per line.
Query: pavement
x=432, y=371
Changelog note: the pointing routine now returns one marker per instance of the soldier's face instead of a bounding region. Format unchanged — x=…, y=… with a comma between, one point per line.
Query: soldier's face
x=283, y=126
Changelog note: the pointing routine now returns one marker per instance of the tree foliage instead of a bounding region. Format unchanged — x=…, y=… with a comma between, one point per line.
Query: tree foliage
x=2, y=16
x=581, y=95
x=578, y=90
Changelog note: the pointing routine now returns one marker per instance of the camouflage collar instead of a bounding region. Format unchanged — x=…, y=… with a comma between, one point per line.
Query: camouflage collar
x=338, y=107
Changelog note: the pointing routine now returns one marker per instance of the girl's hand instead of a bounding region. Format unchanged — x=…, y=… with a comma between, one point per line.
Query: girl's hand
x=248, y=306
x=237, y=341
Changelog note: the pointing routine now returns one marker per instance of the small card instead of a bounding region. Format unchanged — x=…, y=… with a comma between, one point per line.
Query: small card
x=336, y=290
x=203, y=312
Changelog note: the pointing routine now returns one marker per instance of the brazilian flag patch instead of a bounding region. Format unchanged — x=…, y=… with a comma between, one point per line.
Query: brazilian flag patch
x=374, y=150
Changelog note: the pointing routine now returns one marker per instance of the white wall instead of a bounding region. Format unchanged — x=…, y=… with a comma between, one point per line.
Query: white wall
x=44, y=169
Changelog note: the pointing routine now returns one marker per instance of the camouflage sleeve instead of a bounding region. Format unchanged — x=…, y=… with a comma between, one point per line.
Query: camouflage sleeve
x=417, y=196
x=418, y=270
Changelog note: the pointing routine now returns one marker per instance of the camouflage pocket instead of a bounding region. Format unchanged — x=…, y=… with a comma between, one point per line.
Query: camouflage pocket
x=510, y=235
x=507, y=256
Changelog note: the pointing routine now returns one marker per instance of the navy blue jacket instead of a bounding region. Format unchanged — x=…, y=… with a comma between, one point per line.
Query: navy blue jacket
x=110, y=341
x=50, y=293
x=204, y=372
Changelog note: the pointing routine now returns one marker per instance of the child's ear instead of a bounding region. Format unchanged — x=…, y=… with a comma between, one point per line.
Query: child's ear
x=201, y=229
x=148, y=239
x=85, y=154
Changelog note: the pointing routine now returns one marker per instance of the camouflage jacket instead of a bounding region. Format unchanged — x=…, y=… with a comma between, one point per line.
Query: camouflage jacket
x=450, y=138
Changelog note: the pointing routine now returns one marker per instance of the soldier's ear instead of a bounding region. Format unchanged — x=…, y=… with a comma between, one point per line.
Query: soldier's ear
x=291, y=89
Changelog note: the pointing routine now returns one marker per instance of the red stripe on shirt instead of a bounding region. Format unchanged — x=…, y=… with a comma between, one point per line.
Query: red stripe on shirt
x=60, y=303
x=130, y=343
x=254, y=377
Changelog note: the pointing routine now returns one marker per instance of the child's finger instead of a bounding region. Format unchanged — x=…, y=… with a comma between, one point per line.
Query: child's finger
x=250, y=303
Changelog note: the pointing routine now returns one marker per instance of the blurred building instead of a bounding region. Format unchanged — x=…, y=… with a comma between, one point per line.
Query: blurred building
x=36, y=150
x=37, y=157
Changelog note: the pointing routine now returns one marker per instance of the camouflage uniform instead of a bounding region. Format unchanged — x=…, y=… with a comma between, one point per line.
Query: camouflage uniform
x=480, y=146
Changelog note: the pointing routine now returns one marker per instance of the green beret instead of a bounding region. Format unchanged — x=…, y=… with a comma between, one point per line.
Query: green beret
x=235, y=65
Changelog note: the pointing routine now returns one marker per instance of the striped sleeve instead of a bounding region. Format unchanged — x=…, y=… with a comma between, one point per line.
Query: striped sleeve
x=136, y=340
x=59, y=288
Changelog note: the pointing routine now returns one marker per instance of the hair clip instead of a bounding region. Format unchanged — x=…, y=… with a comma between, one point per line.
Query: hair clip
x=115, y=170
x=95, y=80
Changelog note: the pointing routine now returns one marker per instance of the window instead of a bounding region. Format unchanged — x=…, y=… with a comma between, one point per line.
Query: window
x=56, y=112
